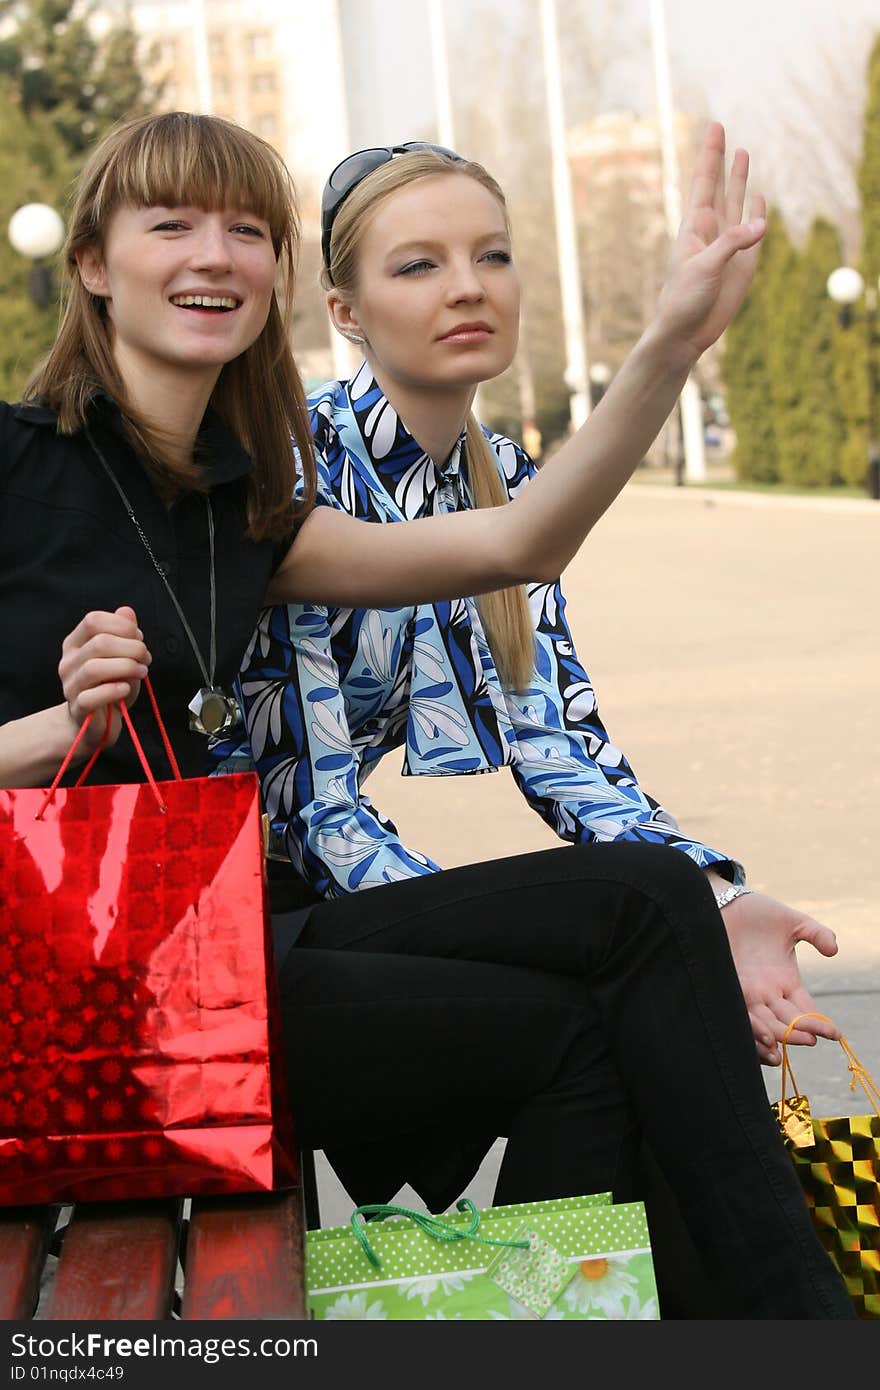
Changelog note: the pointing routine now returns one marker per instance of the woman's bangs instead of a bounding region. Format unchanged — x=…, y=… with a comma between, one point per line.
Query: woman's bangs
x=200, y=162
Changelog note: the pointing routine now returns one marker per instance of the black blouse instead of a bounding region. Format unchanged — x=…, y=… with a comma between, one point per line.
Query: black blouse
x=67, y=546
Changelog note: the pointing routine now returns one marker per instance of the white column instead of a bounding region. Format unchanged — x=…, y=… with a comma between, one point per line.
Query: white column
x=525, y=380
x=440, y=66
x=576, y=373
x=204, y=94
x=445, y=121
x=344, y=356
x=690, y=403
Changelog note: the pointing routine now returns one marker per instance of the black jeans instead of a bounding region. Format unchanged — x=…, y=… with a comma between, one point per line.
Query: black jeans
x=585, y=998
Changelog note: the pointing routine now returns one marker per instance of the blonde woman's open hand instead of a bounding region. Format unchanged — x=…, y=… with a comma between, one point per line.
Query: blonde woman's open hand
x=715, y=253
x=763, y=934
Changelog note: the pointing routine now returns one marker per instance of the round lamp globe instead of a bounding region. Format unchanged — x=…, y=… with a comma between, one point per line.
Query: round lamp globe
x=36, y=230
x=845, y=285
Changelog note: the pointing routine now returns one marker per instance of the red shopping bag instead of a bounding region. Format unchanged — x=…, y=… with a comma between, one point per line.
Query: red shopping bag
x=139, y=1040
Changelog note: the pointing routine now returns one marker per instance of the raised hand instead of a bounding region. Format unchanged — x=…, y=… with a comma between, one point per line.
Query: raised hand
x=103, y=662
x=763, y=934
x=715, y=253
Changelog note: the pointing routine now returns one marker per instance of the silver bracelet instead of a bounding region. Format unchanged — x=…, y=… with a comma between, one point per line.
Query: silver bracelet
x=727, y=895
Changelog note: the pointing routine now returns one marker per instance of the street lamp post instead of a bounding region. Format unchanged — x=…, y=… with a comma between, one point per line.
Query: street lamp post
x=846, y=287
x=600, y=375
x=37, y=231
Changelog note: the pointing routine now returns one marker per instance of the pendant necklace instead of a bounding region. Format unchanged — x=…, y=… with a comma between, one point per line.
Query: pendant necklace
x=212, y=710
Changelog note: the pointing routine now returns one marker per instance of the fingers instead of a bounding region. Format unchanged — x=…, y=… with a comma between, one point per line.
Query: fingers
x=736, y=188
x=778, y=1015
x=103, y=658
x=122, y=623
x=103, y=661
x=765, y=1044
x=771, y=1020
x=740, y=237
x=801, y=1002
x=740, y=241
x=106, y=683
x=707, y=186
x=821, y=938
x=709, y=168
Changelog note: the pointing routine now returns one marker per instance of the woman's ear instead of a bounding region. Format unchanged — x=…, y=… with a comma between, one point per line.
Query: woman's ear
x=343, y=318
x=90, y=264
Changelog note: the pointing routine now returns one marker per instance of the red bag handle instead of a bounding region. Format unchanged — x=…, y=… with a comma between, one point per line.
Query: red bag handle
x=142, y=757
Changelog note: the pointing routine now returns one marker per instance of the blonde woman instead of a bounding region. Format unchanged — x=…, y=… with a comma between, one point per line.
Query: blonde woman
x=419, y=273
x=146, y=515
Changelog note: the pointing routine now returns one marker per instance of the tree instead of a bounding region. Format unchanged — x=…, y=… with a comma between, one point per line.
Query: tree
x=758, y=360
x=744, y=366
x=810, y=135
x=783, y=325
x=851, y=385
x=869, y=171
x=60, y=89
x=810, y=426
x=62, y=70
x=869, y=189
x=35, y=167
x=820, y=363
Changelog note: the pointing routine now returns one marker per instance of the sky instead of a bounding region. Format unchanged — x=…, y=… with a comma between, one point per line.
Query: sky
x=785, y=76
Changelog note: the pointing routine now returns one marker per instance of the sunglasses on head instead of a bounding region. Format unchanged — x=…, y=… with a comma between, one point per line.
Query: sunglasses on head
x=351, y=171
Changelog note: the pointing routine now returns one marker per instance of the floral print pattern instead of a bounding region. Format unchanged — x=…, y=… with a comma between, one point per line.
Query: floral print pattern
x=420, y=1276
x=327, y=692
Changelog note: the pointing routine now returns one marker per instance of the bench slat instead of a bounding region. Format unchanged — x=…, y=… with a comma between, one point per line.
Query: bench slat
x=118, y=1262
x=25, y=1233
x=244, y=1258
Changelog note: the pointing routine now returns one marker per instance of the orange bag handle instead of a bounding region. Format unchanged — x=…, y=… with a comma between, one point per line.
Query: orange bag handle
x=860, y=1074
x=142, y=757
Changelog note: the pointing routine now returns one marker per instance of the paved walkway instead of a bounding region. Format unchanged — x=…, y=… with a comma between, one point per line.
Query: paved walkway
x=734, y=642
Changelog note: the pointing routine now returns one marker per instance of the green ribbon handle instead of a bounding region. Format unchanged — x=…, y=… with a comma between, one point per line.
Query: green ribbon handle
x=431, y=1225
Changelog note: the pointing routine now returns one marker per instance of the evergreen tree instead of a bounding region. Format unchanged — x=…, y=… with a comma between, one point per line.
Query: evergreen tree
x=812, y=429
x=851, y=384
x=869, y=172
x=784, y=324
x=35, y=167
x=61, y=69
x=746, y=380
x=865, y=340
x=60, y=89
x=756, y=360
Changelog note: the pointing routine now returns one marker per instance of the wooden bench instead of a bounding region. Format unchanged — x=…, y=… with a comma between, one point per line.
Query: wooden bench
x=232, y=1257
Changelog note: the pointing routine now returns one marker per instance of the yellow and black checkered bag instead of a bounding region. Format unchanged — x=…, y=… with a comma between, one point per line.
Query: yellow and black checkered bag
x=838, y=1162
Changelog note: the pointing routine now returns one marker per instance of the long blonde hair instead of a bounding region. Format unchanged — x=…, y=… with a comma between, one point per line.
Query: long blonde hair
x=184, y=159
x=504, y=613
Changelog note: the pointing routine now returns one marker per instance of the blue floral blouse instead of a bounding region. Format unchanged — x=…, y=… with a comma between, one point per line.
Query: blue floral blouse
x=327, y=692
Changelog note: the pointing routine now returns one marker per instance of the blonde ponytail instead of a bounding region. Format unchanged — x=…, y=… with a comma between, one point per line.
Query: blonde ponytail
x=504, y=613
